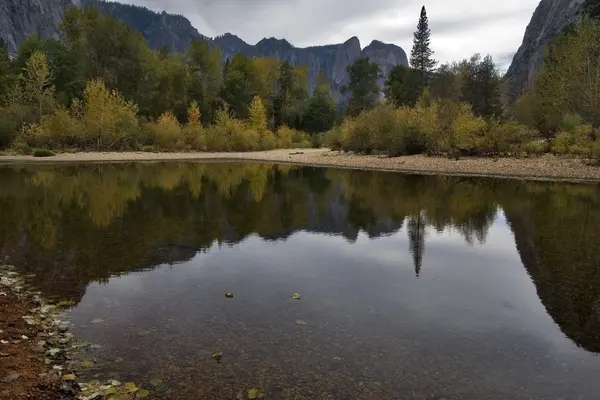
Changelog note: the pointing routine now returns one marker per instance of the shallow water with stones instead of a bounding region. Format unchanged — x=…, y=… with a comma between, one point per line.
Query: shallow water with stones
x=411, y=287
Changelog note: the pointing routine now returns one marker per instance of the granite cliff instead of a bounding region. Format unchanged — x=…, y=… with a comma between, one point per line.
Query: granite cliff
x=22, y=18
x=550, y=17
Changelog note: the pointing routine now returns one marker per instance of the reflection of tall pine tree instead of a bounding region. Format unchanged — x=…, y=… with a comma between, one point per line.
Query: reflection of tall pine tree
x=416, y=240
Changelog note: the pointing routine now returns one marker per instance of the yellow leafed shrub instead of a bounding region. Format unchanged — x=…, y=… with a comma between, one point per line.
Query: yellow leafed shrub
x=167, y=132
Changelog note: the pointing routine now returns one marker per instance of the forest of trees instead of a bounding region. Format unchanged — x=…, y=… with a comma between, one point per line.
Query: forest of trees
x=103, y=88
x=459, y=108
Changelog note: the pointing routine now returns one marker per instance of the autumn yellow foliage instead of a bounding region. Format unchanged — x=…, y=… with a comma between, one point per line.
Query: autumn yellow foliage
x=438, y=127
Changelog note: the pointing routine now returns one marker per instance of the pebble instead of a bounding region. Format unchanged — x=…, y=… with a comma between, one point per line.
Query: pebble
x=11, y=378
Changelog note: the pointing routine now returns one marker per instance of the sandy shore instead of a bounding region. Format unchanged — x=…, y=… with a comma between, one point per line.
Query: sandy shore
x=543, y=168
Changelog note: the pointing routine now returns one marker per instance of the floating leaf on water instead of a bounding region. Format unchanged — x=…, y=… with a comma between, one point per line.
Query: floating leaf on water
x=255, y=393
x=97, y=321
x=143, y=393
x=65, y=303
x=229, y=295
x=68, y=377
x=296, y=296
x=217, y=356
x=155, y=381
x=114, y=382
x=87, y=363
x=300, y=322
x=130, y=387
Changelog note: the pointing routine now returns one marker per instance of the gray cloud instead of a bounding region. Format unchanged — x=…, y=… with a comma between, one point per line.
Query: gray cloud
x=459, y=28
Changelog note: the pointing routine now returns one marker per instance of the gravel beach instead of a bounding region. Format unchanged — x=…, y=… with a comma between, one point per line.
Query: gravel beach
x=547, y=167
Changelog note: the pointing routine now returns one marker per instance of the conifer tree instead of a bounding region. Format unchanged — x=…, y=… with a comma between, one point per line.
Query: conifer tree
x=421, y=55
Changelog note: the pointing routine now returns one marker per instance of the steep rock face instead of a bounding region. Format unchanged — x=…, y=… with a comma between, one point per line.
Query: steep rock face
x=160, y=30
x=387, y=56
x=331, y=59
x=22, y=18
x=550, y=17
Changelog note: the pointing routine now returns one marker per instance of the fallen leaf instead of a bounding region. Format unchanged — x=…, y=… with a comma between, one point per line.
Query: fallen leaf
x=143, y=393
x=217, y=356
x=296, y=296
x=155, y=381
x=300, y=322
x=109, y=390
x=229, y=295
x=68, y=377
x=97, y=321
x=255, y=394
x=130, y=387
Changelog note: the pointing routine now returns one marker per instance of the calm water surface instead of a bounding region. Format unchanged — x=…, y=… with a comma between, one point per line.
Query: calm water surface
x=412, y=287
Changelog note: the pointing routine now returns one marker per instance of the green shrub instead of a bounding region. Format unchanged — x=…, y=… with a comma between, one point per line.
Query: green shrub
x=268, y=140
x=21, y=148
x=149, y=149
x=535, y=147
x=334, y=138
x=507, y=138
x=284, y=137
x=561, y=144
x=43, y=153
x=595, y=152
x=570, y=122
x=8, y=130
x=315, y=140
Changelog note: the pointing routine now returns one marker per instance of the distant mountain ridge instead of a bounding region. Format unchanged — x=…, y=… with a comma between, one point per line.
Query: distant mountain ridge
x=20, y=19
x=176, y=32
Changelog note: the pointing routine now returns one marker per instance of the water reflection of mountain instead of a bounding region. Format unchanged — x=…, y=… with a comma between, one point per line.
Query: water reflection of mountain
x=71, y=226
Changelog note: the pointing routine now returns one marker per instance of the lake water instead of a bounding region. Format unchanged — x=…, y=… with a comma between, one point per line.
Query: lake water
x=412, y=287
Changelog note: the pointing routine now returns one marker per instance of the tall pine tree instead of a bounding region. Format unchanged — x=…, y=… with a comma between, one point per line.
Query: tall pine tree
x=421, y=55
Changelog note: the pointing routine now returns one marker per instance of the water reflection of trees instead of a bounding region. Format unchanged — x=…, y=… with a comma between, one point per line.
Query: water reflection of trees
x=73, y=225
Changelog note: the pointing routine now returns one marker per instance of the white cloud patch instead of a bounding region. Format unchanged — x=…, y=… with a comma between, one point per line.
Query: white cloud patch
x=459, y=28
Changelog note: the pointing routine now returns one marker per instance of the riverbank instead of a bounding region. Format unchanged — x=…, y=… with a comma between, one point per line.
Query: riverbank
x=39, y=358
x=23, y=372
x=547, y=167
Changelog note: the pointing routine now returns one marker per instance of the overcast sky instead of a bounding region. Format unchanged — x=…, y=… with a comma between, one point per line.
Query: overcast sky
x=459, y=28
